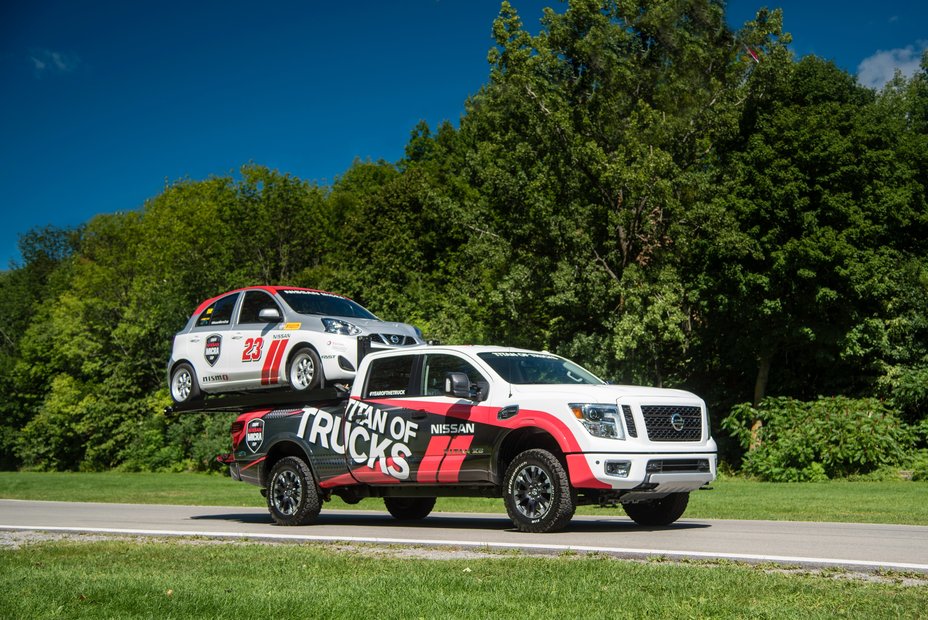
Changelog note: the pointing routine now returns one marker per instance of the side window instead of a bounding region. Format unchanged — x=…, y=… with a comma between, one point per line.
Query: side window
x=254, y=303
x=219, y=313
x=437, y=366
x=389, y=377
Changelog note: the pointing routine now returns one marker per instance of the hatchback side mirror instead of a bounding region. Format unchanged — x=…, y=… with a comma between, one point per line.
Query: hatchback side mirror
x=269, y=315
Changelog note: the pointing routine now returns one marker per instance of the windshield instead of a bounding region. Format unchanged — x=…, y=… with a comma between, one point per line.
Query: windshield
x=527, y=367
x=317, y=302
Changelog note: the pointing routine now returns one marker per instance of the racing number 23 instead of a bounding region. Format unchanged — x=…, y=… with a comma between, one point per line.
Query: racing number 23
x=252, y=352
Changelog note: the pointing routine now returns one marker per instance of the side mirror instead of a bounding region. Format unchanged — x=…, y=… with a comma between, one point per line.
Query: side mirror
x=269, y=315
x=458, y=385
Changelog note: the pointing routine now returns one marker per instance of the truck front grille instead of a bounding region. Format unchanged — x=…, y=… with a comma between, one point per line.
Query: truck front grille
x=672, y=422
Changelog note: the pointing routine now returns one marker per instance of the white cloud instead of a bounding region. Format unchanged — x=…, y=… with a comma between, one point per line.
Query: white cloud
x=46, y=62
x=878, y=69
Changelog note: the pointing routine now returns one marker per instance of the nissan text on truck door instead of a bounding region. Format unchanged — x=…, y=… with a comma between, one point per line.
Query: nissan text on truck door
x=533, y=428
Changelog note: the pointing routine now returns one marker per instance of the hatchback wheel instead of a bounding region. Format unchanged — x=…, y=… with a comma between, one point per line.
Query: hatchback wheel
x=305, y=370
x=184, y=387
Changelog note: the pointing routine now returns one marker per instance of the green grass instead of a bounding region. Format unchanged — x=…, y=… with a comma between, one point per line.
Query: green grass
x=731, y=498
x=177, y=579
x=130, y=488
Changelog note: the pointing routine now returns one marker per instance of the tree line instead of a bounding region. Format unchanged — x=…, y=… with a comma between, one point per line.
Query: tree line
x=638, y=187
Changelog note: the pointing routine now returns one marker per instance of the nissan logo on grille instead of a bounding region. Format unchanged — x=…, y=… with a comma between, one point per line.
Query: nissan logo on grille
x=672, y=422
x=394, y=339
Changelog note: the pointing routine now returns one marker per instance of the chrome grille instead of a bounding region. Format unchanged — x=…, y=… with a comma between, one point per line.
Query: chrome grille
x=659, y=420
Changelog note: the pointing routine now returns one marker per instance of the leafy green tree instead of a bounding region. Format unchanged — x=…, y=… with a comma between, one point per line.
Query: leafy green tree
x=24, y=291
x=905, y=321
x=816, y=203
x=589, y=148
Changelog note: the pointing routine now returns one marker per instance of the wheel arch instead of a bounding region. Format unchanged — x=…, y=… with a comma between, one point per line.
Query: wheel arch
x=301, y=344
x=522, y=439
x=175, y=363
x=282, y=449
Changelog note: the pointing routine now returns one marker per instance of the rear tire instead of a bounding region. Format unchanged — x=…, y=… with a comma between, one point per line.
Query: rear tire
x=304, y=372
x=658, y=512
x=409, y=508
x=184, y=386
x=292, y=498
x=538, y=495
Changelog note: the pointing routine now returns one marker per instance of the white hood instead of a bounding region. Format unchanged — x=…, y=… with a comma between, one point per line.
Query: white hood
x=602, y=393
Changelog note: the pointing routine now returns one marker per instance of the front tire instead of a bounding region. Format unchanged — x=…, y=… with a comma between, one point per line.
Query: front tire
x=304, y=372
x=409, y=508
x=538, y=495
x=184, y=386
x=292, y=498
x=658, y=512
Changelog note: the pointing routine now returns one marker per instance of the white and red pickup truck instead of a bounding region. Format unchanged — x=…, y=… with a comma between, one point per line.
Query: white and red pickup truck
x=531, y=427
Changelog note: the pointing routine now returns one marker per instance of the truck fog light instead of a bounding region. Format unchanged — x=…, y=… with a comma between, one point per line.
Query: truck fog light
x=619, y=469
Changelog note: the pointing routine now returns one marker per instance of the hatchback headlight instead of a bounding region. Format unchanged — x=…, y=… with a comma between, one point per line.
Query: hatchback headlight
x=343, y=328
x=600, y=420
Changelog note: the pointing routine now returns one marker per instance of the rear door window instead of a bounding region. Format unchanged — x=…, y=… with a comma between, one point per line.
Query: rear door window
x=219, y=312
x=389, y=377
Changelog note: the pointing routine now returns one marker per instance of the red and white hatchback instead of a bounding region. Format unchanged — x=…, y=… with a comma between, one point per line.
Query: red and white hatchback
x=275, y=336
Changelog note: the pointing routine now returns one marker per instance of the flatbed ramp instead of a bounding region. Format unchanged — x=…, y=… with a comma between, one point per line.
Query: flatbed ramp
x=240, y=403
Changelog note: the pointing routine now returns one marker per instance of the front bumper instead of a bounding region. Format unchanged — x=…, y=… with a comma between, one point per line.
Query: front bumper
x=648, y=473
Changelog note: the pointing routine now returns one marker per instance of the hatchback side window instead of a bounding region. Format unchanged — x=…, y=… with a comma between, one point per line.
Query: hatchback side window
x=389, y=377
x=219, y=312
x=437, y=366
x=253, y=304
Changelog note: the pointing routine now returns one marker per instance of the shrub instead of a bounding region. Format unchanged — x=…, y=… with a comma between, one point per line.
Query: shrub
x=827, y=438
x=919, y=465
x=188, y=442
x=908, y=389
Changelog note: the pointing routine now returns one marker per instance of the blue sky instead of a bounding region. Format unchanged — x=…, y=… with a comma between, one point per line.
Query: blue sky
x=103, y=102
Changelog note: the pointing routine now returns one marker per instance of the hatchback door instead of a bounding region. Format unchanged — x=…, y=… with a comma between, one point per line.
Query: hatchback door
x=256, y=357
x=207, y=344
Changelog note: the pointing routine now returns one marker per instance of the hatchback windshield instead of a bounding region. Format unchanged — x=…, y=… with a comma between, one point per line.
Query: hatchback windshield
x=526, y=367
x=317, y=302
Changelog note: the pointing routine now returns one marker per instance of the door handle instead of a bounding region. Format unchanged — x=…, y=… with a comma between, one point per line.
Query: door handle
x=194, y=340
x=507, y=412
x=238, y=337
x=419, y=415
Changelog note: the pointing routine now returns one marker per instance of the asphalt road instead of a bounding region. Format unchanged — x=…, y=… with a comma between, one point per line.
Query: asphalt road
x=849, y=545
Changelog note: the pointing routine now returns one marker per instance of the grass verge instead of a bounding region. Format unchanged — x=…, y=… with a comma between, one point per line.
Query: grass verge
x=730, y=498
x=164, y=579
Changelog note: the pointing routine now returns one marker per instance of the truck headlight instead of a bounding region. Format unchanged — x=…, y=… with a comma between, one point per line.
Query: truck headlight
x=343, y=328
x=598, y=419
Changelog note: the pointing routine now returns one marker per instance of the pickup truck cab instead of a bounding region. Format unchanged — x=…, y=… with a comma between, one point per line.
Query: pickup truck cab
x=533, y=428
